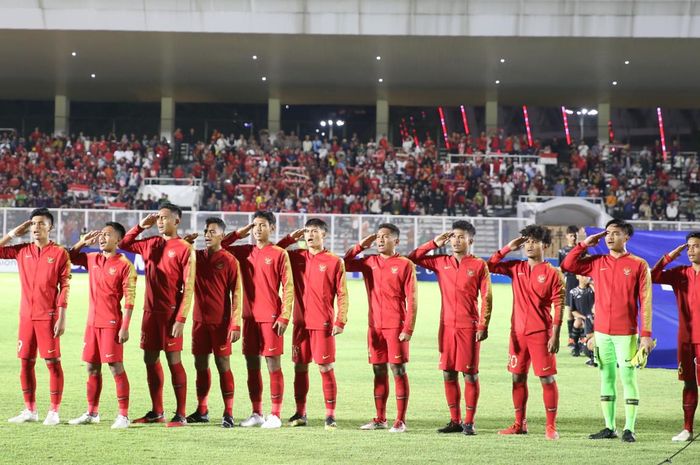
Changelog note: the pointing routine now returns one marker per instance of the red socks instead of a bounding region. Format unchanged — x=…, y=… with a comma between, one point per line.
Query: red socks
x=94, y=389
x=454, y=399
x=122, y=383
x=301, y=389
x=55, y=384
x=402, y=394
x=203, y=384
x=520, y=401
x=156, y=379
x=690, y=404
x=381, y=395
x=179, y=380
x=227, y=388
x=27, y=378
x=276, y=392
x=330, y=390
x=255, y=390
x=550, y=394
x=471, y=397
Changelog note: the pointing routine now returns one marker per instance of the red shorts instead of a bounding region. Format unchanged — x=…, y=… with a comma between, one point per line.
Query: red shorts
x=156, y=328
x=261, y=339
x=459, y=350
x=384, y=346
x=207, y=339
x=35, y=334
x=100, y=345
x=316, y=344
x=531, y=348
x=688, y=367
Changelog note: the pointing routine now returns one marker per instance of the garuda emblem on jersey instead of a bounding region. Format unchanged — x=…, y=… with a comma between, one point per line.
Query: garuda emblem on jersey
x=322, y=268
x=541, y=279
x=627, y=271
x=268, y=261
x=171, y=253
x=394, y=269
x=470, y=273
x=112, y=270
x=50, y=259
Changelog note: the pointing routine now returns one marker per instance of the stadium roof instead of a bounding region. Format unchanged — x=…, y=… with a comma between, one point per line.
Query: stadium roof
x=206, y=67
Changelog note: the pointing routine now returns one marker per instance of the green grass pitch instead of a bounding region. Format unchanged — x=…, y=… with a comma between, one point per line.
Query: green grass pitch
x=579, y=414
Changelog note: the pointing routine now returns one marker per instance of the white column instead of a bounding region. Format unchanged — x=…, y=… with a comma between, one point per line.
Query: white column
x=167, y=118
x=491, y=116
x=273, y=115
x=603, y=118
x=61, y=115
x=382, y=119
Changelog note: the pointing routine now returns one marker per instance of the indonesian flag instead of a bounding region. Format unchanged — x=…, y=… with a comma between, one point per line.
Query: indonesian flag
x=79, y=190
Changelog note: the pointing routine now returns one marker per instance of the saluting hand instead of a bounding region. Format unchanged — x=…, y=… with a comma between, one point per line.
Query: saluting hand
x=297, y=234
x=21, y=230
x=516, y=243
x=675, y=253
x=442, y=239
x=148, y=221
x=245, y=231
x=592, y=240
x=367, y=241
x=191, y=237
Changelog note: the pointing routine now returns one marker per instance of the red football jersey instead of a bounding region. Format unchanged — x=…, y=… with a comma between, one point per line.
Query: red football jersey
x=621, y=284
x=218, y=292
x=263, y=271
x=318, y=281
x=536, y=291
x=461, y=283
x=45, y=278
x=170, y=272
x=391, y=289
x=111, y=279
x=686, y=285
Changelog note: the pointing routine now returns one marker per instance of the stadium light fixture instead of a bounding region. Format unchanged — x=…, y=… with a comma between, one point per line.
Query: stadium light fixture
x=569, y=112
x=380, y=80
x=75, y=54
x=592, y=112
x=379, y=58
x=255, y=57
x=503, y=60
x=498, y=81
x=584, y=111
x=286, y=107
x=330, y=122
x=627, y=62
x=340, y=122
x=323, y=124
x=264, y=78
x=93, y=75
x=614, y=83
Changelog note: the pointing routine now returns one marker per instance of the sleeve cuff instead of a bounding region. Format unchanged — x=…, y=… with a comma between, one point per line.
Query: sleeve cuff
x=482, y=328
x=128, y=307
x=284, y=321
x=339, y=324
x=408, y=331
x=646, y=334
x=504, y=251
x=234, y=328
x=181, y=319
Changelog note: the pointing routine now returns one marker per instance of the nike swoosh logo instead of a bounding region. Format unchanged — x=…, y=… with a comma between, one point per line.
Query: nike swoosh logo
x=326, y=356
x=222, y=348
x=52, y=351
x=603, y=269
x=109, y=355
x=546, y=368
x=170, y=344
x=397, y=356
x=272, y=349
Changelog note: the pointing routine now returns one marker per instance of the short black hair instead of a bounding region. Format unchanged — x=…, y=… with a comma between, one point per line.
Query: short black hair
x=217, y=221
x=693, y=235
x=266, y=215
x=317, y=222
x=537, y=232
x=465, y=226
x=41, y=212
x=622, y=224
x=117, y=227
x=573, y=229
x=172, y=207
x=391, y=227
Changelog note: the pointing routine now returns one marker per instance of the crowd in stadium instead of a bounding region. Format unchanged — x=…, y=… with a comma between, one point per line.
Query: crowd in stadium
x=287, y=173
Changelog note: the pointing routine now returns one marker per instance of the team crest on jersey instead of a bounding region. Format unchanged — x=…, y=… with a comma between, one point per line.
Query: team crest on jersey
x=627, y=271
x=171, y=253
x=541, y=279
x=394, y=269
x=50, y=259
x=470, y=273
x=219, y=266
x=112, y=270
x=268, y=261
x=322, y=268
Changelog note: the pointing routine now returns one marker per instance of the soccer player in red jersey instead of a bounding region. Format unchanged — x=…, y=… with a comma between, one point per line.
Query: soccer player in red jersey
x=463, y=278
x=218, y=303
x=44, y=273
x=264, y=268
x=112, y=277
x=319, y=279
x=685, y=281
x=623, y=290
x=390, y=280
x=170, y=276
x=538, y=288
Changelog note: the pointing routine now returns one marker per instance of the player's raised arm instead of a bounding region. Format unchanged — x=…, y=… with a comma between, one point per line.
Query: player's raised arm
x=661, y=276
x=78, y=257
x=18, y=231
x=129, y=241
x=496, y=263
x=420, y=255
x=351, y=262
x=575, y=262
